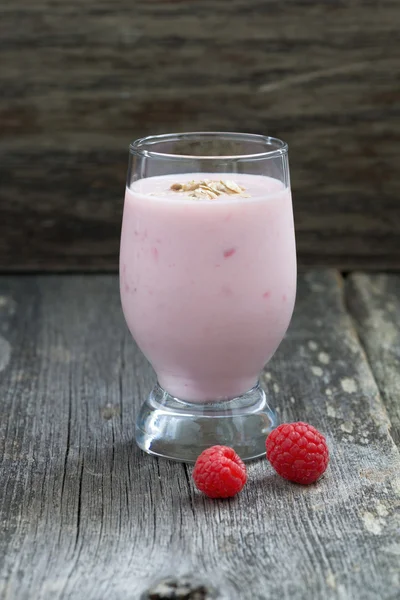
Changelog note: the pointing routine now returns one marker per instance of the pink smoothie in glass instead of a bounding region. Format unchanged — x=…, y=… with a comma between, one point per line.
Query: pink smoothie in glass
x=208, y=285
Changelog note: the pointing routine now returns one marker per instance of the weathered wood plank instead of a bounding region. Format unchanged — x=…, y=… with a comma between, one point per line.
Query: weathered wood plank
x=80, y=80
x=374, y=302
x=85, y=515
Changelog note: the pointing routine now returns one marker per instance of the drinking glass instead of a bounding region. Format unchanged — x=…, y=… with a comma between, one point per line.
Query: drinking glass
x=208, y=285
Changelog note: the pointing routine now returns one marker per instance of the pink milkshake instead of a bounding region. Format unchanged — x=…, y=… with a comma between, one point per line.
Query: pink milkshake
x=208, y=284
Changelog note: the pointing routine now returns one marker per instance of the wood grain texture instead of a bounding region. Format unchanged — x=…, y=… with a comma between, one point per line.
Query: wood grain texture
x=86, y=516
x=80, y=80
x=374, y=302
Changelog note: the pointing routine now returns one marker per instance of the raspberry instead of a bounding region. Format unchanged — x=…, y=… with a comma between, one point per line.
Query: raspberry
x=219, y=472
x=298, y=452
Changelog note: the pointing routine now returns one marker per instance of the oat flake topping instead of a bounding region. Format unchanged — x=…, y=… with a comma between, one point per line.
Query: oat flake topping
x=210, y=189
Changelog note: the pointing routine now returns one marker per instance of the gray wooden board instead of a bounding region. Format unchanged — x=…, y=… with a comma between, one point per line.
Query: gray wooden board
x=80, y=80
x=86, y=516
x=374, y=302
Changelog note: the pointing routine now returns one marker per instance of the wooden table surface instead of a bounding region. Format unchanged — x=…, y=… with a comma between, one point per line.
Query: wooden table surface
x=85, y=515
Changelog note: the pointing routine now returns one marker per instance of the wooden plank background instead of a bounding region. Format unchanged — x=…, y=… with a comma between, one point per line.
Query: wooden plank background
x=79, y=80
x=85, y=515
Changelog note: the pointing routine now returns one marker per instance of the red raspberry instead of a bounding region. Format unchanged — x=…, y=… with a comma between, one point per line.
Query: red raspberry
x=219, y=472
x=298, y=452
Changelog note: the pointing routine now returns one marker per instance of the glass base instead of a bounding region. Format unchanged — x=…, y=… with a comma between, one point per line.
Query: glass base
x=179, y=430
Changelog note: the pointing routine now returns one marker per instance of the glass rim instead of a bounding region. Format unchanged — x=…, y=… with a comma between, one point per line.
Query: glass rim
x=140, y=147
